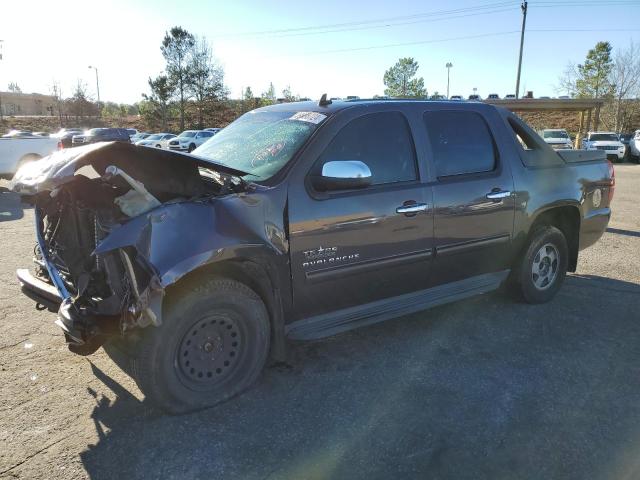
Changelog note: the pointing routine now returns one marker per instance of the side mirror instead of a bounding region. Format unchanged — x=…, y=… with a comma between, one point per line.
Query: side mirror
x=342, y=175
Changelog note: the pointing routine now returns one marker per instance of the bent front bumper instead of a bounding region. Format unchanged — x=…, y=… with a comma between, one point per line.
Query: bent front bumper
x=38, y=290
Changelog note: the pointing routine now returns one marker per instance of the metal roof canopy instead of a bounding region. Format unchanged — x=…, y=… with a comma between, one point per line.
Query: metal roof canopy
x=581, y=105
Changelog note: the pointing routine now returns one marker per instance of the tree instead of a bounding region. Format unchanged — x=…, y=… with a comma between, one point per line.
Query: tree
x=592, y=79
x=625, y=81
x=176, y=47
x=567, y=81
x=400, y=81
x=288, y=96
x=13, y=87
x=268, y=97
x=157, y=106
x=79, y=104
x=205, y=78
x=249, y=101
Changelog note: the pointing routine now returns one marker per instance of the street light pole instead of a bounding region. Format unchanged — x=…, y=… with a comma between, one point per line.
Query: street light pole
x=524, y=21
x=97, y=83
x=448, y=65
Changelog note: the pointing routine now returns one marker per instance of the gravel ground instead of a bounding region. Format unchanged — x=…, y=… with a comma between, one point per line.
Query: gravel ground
x=485, y=388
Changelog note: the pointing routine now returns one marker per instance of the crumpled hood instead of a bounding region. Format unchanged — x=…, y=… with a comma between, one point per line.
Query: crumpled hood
x=171, y=172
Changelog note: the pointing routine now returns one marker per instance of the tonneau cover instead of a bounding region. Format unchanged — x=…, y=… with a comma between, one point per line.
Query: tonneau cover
x=579, y=156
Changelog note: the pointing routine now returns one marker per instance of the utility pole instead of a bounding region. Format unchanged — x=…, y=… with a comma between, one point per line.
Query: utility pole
x=97, y=83
x=448, y=65
x=523, y=7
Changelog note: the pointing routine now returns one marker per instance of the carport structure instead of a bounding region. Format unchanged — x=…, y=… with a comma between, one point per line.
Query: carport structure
x=589, y=106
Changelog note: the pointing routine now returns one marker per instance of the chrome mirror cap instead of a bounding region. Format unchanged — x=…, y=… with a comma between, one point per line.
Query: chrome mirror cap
x=346, y=169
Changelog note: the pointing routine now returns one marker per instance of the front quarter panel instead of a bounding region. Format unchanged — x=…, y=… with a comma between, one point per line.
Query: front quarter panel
x=176, y=239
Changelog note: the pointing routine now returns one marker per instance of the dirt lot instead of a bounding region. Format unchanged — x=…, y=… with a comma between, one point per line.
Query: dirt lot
x=485, y=388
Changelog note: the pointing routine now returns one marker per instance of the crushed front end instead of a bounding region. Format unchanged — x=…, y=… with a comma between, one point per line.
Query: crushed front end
x=95, y=211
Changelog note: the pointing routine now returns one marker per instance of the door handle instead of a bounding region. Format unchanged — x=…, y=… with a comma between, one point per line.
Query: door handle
x=498, y=194
x=412, y=208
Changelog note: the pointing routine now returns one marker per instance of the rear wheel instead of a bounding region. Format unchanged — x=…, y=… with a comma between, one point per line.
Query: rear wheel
x=212, y=345
x=543, y=267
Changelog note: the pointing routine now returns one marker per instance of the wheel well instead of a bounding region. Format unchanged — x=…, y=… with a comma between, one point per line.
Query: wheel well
x=567, y=220
x=254, y=276
x=28, y=158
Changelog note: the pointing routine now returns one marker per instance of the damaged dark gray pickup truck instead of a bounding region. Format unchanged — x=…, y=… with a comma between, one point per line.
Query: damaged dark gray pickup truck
x=299, y=221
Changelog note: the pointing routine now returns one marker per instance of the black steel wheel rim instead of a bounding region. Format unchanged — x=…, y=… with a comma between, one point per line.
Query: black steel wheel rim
x=210, y=352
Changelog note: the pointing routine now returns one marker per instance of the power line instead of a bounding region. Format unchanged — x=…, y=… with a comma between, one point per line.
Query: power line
x=370, y=27
x=466, y=37
x=479, y=9
x=374, y=21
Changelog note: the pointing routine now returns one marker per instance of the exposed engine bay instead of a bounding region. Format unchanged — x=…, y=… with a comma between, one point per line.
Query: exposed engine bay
x=81, y=197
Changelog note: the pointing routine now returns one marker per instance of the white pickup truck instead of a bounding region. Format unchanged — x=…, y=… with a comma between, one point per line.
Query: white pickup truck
x=607, y=142
x=557, y=138
x=14, y=152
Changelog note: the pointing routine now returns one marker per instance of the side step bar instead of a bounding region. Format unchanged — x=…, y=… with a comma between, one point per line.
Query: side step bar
x=339, y=321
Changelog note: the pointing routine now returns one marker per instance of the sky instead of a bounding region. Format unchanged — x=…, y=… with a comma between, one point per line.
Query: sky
x=257, y=42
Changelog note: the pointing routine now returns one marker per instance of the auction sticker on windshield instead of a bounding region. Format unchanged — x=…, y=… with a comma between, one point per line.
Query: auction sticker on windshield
x=310, y=117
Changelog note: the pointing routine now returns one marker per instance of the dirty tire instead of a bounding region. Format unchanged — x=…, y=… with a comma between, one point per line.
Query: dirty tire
x=537, y=279
x=191, y=148
x=212, y=345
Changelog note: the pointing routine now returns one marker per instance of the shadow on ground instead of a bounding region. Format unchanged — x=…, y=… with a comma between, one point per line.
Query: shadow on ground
x=10, y=206
x=485, y=388
x=619, y=231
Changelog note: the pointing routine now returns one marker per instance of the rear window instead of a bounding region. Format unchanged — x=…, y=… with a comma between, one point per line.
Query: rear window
x=461, y=143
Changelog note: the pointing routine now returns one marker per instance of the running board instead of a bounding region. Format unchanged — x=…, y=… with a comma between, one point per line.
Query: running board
x=339, y=321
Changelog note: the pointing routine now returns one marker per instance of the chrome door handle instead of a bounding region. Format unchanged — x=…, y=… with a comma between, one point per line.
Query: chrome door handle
x=498, y=194
x=412, y=208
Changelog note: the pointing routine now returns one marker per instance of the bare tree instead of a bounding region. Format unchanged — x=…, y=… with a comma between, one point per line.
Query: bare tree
x=567, y=81
x=625, y=77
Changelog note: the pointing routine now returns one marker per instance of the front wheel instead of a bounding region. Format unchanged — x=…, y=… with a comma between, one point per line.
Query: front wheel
x=212, y=344
x=191, y=148
x=543, y=267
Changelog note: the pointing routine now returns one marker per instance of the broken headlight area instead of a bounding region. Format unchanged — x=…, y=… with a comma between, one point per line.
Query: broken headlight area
x=77, y=208
x=101, y=294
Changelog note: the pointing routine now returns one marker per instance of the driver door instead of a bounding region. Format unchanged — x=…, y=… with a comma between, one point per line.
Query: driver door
x=353, y=246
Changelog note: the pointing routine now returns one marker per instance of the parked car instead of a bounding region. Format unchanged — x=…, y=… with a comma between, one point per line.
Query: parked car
x=300, y=221
x=132, y=132
x=634, y=147
x=189, y=140
x=510, y=96
x=214, y=130
x=65, y=136
x=101, y=135
x=155, y=140
x=557, y=138
x=475, y=97
x=16, y=151
x=493, y=96
x=18, y=133
x=456, y=97
x=607, y=142
x=136, y=137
